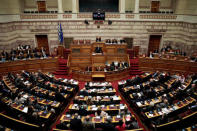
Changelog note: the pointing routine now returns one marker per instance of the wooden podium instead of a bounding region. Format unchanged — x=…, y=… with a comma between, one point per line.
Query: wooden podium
x=83, y=56
x=98, y=76
x=60, y=50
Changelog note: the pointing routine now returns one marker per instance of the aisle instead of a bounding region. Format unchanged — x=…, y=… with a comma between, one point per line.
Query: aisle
x=123, y=101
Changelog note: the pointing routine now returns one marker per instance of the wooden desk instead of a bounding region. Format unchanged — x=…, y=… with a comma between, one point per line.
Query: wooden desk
x=182, y=104
x=84, y=55
x=109, y=76
x=95, y=119
x=104, y=108
x=98, y=75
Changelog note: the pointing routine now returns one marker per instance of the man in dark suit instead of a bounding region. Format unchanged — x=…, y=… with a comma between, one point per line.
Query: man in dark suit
x=76, y=124
x=108, y=126
x=98, y=50
x=62, y=125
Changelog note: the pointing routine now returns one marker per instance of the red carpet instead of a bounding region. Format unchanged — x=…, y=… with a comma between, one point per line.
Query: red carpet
x=62, y=69
x=134, y=67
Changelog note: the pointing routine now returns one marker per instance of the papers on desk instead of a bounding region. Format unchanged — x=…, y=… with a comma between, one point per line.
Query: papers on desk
x=65, y=80
x=165, y=110
x=151, y=115
x=26, y=82
x=25, y=96
x=115, y=98
x=68, y=115
x=175, y=107
x=94, y=108
x=139, y=94
x=160, y=113
x=25, y=110
x=98, y=117
x=122, y=107
x=102, y=105
x=139, y=103
x=118, y=116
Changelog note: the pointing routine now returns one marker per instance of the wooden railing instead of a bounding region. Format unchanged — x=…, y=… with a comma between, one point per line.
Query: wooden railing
x=169, y=65
x=49, y=64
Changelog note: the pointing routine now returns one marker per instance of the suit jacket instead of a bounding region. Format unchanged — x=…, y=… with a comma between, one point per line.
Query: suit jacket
x=76, y=124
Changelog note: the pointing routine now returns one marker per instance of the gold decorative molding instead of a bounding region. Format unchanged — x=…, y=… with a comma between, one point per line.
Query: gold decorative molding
x=84, y=15
x=38, y=16
x=67, y=16
x=39, y=30
x=112, y=16
x=156, y=30
x=129, y=16
x=158, y=16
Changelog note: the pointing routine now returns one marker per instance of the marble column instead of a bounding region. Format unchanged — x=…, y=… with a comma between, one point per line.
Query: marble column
x=75, y=4
x=60, y=9
x=122, y=6
x=136, y=6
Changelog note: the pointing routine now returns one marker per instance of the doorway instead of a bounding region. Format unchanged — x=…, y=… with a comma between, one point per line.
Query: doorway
x=41, y=6
x=155, y=6
x=129, y=42
x=154, y=43
x=42, y=41
x=67, y=42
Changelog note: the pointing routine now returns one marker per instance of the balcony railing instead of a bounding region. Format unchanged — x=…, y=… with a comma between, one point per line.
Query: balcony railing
x=108, y=16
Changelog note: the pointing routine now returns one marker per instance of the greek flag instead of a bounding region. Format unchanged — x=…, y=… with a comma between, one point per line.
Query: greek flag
x=60, y=33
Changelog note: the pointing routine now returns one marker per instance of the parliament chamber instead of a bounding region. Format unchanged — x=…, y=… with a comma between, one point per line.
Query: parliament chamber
x=98, y=65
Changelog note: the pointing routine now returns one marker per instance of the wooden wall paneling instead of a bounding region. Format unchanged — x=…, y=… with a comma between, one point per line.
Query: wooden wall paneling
x=50, y=64
x=147, y=64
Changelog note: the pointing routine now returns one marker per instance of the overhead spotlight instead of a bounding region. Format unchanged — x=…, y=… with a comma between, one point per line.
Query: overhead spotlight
x=86, y=22
x=109, y=22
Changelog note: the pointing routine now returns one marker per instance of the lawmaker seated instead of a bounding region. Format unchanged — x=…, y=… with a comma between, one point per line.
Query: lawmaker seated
x=113, y=41
x=23, y=53
x=116, y=66
x=98, y=39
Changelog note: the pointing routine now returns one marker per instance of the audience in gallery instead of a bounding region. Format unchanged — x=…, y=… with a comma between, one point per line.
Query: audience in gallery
x=115, y=41
x=98, y=39
x=170, y=53
x=23, y=52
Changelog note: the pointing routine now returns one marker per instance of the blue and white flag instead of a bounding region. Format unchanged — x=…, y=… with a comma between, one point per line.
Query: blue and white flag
x=60, y=33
